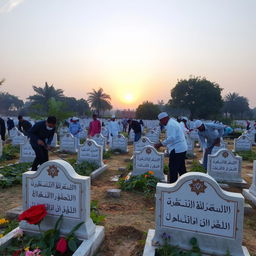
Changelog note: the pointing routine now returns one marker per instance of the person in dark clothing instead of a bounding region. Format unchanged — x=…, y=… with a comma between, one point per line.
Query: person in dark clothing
x=24, y=125
x=135, y=125
x=2, y=129
x=41, y=135
x=10, y=124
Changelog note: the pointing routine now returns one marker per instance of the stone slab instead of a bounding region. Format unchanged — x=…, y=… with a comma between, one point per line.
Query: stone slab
x=98, y=172
x=248, y=210
x=249, y=196
x=116, y=193
x=14, y=212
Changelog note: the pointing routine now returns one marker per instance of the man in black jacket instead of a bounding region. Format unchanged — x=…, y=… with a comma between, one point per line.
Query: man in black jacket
x=41, y=135
x=135, y=125
x=24, y=125
x=10, y=124
x=2, y=129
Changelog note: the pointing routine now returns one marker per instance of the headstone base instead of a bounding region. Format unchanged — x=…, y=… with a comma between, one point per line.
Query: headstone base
x=98, y=171
x=14, y=212
x=149, y=249
x=249, y=196
x=87, y=248
x=242, y=184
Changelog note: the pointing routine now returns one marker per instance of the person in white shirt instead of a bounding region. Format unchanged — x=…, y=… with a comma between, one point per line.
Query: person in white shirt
x=113, y=128
x=176, y=144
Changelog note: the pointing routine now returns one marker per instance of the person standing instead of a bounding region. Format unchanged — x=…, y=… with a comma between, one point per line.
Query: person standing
x=113, y=128
x=10, y=124
x=176, y=144
x=2, y=129
x=41, y=135
x=135, y=125
x=209, y=135
x=94, y=126
x=24, y=125
x=74, y=126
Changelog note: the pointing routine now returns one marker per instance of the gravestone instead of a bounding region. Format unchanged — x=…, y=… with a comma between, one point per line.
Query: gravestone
x=194, y=135
x=91, y=152
x=243, y=143
x=196, y=207
x=148, y=160
x=27, y=154
x=68, y=143
x=54, y=143
x=63, y=130
x=100, y=140
x=131, y=136
x=119, y=142
x=225, y=167
x=250, y=194
x=141, y=143
x=83, y=134
x=251, y=135
x=217, y=148
x=63, y=192
x=190, y=143
x=153, y=136
x=104, y=132
x=13, y=132
x=18, y=139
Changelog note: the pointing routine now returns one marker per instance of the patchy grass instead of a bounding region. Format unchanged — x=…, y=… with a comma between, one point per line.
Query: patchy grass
x=247, y=155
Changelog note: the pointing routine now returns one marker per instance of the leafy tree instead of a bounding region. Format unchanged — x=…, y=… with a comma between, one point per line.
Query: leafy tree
x=147, y=110
x=9, y=104
x=99, y=101
x=44, y=94
x=79, y=107
x=236, y=106
x=200, y=96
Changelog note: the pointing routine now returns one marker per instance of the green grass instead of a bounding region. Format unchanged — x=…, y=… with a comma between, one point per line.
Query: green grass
x=247, y=155
x=197, y=167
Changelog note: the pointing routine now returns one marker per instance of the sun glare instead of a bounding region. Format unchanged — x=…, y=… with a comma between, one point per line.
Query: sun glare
x=128, y=98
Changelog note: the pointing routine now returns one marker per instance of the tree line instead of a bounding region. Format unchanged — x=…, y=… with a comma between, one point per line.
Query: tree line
x=195, y=97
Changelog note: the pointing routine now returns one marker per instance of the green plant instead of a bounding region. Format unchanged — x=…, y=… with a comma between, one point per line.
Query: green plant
x=107, y=154
x=130, y=166
x=85, y=168
x=197, y=167
x=169, y=250
x=166, y=169
x=145, y=183
x=247, y=155
x=9, y=152
x=97, y=218
x=12, y=174
x=8, y=226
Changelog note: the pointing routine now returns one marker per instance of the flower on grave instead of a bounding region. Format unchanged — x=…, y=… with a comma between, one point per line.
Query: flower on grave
x=151, y=172
x=17, y=252
x=146, y=175
x=34, y=215
x=1, y=235
x=62, y=245
x=3, y=221
x=36, y=252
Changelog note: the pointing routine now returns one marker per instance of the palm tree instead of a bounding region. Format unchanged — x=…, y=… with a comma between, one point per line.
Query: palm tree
x=99, y=100
x=44, y=94
x=2, y=81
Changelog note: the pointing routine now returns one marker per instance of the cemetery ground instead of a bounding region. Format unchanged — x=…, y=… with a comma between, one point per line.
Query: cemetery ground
x=128, y=218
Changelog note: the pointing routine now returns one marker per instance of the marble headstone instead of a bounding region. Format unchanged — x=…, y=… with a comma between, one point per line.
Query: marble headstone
x=18, y=139
x=243, y=143
x=149, y=159
x=119, y=142
x=190, y=143
x=90, y=151
x=141, y=143
x=196, y=206
x=27, y=154
x=223, y=166
x=56, y=185
x=250, y=194
x=131, y=136
x=54, y=140
x=68, y=143
x=100, y=140
x=153, y=136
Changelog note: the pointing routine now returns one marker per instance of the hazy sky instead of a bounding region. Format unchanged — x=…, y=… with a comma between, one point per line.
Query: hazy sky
x=134, y=49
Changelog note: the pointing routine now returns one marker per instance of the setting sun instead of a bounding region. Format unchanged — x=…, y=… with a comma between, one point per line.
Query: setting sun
x=128, y=98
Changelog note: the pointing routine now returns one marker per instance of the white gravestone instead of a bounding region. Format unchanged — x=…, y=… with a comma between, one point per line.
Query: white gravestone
x=141, y=143
x=100, y=140
x=83, y=134
x=68, y=143
x=119, y=142
x=56, y=185
x=243, y=143
x=153, y=136
x=190, y=143
x=217, y=148
x=250, y=194
x=63, y=130
x=104, y=132
x=225, y=167
x=196, y=206
x=54, y=142
x=251, y=135
x=131, y=136
x=14, y=132
x=148, y=160
x=91, y=152
x=27, y=154
x=18, y=139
